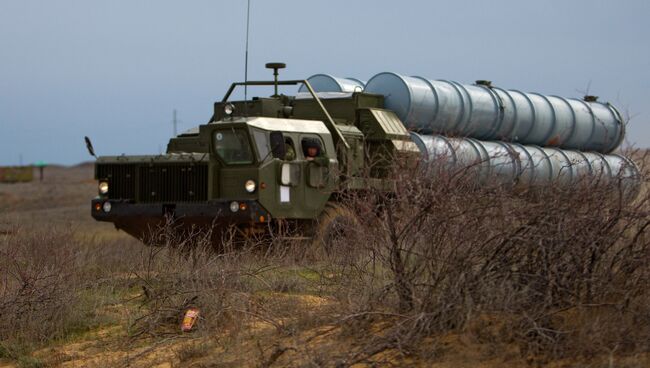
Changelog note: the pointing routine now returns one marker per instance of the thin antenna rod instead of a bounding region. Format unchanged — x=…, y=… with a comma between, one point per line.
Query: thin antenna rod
x=248, y=17
x=174, y=122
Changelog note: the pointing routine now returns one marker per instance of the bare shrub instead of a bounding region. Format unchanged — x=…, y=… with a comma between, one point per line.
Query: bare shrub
x=55, y=283
x=188, y=352
x=189, y=271
x=555, y=271
x=244, y=290
x=37, y=285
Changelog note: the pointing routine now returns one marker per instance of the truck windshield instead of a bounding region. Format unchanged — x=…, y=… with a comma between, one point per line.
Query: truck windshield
x=233, y=147
x=261, y=139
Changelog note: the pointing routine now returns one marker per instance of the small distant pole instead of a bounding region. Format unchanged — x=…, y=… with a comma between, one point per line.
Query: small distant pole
x=41, y=167
x=20, y=159
x=175, y=123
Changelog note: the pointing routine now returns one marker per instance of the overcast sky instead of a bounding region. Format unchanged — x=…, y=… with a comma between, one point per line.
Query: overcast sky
x=115, y=70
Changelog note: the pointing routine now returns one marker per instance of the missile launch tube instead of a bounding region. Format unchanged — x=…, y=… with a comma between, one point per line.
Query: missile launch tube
x=328, y=83
x=489, y=113
x=528, y=166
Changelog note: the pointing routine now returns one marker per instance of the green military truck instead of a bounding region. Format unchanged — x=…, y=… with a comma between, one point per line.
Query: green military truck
x=257, y=164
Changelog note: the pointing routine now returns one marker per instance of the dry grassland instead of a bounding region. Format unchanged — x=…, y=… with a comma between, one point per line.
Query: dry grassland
x=440, y=275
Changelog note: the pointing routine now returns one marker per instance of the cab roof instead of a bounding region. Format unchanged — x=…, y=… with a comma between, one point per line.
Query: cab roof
x=271, y=124
x=286, y=125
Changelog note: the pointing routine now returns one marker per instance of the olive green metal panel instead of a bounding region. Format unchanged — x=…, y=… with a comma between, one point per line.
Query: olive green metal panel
x=402, y=146
x=232, y=181
x=352, y=160
x=317, y=176
x=380, y=124
x=187, y=144
x=299, y=199
x=267, y=190
x=341, y=109
x=166, y=158
x=213, y=179
x=270, y=107
x=390, y=123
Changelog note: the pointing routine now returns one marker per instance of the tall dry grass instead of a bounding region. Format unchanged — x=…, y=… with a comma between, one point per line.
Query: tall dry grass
x=550, y=274
x=557, y=272
x=54, y=285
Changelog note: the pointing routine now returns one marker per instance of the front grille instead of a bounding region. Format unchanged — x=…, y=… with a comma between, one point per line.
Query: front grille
x=121, y=179
x=173, y=183
x=147, y=183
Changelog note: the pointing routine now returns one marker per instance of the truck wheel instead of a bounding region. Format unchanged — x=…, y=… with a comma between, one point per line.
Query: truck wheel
x=333, y=229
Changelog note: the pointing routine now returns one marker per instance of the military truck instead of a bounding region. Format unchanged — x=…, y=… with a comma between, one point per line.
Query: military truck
x=264, y=163
x=256, y=164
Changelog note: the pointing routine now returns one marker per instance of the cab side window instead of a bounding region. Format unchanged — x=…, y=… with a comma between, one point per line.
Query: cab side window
x=290, y=149
x=311, y=148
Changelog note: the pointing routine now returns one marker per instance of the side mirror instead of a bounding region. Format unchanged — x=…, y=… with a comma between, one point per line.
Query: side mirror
x=89, y=146
x=277, y=145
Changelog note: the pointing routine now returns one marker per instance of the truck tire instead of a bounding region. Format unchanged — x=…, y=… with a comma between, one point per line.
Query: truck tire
x=333, y=228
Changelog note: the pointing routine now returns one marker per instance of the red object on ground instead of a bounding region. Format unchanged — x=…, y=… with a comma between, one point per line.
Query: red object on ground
x=191, y=315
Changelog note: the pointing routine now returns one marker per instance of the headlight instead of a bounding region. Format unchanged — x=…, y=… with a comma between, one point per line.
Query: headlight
x=234, y=206
x=107, y=206
x=250, y=186
x=228, y=109
x=103, y=187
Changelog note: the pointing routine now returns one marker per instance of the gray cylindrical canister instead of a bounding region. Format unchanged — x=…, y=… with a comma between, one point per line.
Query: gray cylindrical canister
x=528, y=166
x=328, y=83
x=484, y=112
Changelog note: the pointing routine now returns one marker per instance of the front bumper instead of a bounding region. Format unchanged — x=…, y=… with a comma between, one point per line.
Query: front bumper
x=212, y=212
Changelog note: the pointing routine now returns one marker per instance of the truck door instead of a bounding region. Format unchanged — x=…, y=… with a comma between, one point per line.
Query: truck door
x=316, y=172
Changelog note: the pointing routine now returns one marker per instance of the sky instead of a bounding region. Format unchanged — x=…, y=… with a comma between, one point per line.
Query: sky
x=116, y=70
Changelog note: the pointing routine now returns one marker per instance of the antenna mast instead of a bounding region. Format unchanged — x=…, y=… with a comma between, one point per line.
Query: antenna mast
x=174, y=123
x=248, y=16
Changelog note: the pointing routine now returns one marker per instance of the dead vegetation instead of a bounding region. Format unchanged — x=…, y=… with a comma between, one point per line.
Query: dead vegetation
x=556, y=273
x=439, y=273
